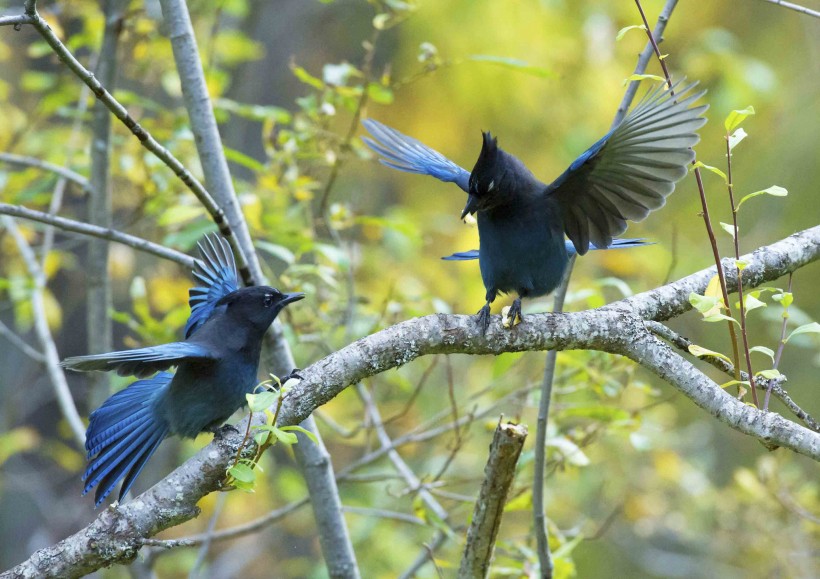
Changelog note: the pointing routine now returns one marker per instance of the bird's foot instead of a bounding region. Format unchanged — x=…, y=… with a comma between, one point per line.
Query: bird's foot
x=219, y=432
x=294, y=374
x=483, y=318
x=515, y=312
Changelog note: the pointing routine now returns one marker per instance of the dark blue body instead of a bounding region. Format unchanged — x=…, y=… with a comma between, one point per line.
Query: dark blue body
x=522, y=248
x=204, y=393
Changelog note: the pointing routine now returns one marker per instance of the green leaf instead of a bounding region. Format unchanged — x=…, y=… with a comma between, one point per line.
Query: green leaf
x=244, y=160
x=569, y=451
x=306, y=77
x=261, y=438
x=284, y=437
x=634, y=77
x=277, y=251
x=513, y=63
x=736, y=117
x=769, y=374
x=715, y=170
x=298, y=428
x=774, y=190
x=785, y=298
x=596, y=412
x=622, y=32
x=719, y=317
x=733, y=382
x=763, y=350
x=728, y=228
x=736, y=137
x=700, y=352
x=741, y=265
x=262, y=400
x=752, y=303
x=380, y=93
x=177, y=214
x=812, y=328
x=242, y=472
x=704, y=304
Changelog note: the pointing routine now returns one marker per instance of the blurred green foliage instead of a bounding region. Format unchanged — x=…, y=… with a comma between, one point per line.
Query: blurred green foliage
x=641, y=483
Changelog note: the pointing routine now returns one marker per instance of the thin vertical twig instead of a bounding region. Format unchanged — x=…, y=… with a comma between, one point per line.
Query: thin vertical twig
x=540, y=462
x=313, y=459
x=742, y=306
x=49, y=348
x=98, y=283
x=704, y=206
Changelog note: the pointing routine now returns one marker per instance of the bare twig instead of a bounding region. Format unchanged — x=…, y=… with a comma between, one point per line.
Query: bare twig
x=52, y=358
x=540, y=463
x=33, y=18
x=795, y=7
x=62, y=172
x=100, y=232
x=407, y=474
x=20, y=344
x=538, y=503
x=499, y=473
x=741, y=305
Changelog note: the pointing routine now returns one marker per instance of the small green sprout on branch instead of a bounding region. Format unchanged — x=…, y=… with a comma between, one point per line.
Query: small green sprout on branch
x=241, y=473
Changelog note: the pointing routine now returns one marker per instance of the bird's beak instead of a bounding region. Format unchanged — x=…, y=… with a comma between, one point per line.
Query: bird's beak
x=290, y=298
x=471, y=207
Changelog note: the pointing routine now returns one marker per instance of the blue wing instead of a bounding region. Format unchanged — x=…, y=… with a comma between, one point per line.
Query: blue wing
x=217, y=274
x=407, y=154
x=617, y=243
x=462, y=256
x=631, y=170
x=142, y=362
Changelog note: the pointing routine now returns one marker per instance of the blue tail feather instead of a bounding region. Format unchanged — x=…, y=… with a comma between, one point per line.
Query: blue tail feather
x=122, y=435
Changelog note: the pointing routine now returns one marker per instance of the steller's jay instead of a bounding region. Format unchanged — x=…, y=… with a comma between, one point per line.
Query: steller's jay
x=216, y=366
x=522, y=221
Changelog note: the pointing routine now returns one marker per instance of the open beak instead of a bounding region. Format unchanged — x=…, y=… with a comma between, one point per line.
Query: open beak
x=471, y=207
x=290, y=298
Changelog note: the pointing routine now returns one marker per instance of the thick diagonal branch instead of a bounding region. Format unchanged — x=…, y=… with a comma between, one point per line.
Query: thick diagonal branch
x=618, y=328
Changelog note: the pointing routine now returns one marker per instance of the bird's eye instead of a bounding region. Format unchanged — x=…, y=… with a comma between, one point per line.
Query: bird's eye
x=268, y=300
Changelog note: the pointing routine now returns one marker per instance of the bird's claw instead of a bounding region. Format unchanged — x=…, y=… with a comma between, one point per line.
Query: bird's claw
x=483, y=318
x=220, y=431
x=515, y=312
x=293, y=374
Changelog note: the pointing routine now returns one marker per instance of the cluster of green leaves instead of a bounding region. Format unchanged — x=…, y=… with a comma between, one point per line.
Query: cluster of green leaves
x=241, y=473
x=711, y=304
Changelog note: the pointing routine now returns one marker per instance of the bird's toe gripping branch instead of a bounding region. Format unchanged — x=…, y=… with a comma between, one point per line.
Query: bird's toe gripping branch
x=483, y=318
x=515, y=312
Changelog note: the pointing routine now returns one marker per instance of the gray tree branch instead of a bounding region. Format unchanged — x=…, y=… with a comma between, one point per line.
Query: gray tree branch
x=118, y=532
x=313, y=459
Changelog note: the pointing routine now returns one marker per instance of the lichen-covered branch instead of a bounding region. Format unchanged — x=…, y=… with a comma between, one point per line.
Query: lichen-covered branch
x=499, y=473
x=618, y=328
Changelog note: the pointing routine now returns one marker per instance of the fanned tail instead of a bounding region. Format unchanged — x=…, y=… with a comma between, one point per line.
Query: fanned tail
x=122, y=435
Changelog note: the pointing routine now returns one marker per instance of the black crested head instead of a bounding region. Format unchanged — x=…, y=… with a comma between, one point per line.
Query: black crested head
x=482, y=178
x=257, y=305
x=497, y=178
